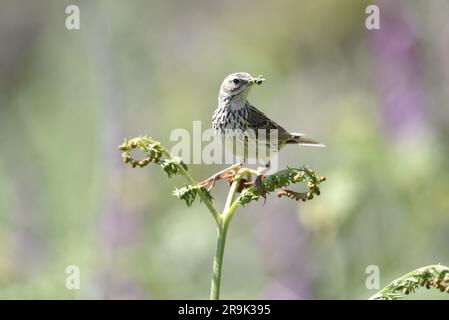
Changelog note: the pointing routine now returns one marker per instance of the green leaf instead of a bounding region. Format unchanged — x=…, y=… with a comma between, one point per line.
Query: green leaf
x=188, y=193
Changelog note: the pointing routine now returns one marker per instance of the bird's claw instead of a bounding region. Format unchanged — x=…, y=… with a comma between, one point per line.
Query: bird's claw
x=259, y=186
x=223, y=174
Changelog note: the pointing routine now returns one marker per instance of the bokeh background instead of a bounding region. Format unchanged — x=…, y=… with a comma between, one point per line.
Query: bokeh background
x=376, y=98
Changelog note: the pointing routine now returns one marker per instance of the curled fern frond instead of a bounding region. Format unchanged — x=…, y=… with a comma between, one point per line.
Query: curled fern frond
x=282, y=179
x=436, y=276
x=154, y=153
x=294, y=195
x=150, y=147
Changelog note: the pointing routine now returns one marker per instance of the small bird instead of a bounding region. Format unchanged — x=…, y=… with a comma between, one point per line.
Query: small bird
x=235, y=114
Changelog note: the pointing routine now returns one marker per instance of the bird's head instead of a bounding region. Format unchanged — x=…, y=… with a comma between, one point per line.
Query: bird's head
x=239, y=83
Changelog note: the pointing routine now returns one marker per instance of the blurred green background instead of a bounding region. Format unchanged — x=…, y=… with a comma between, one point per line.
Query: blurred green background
x=376, y=98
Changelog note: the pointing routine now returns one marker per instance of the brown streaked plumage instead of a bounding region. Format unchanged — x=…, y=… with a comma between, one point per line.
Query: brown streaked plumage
x=235, y=113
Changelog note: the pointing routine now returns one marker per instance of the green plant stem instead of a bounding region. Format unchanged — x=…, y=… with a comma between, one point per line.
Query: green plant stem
x=222, y=230
x=218, y=261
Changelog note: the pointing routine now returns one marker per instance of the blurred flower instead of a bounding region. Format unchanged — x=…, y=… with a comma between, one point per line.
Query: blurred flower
x=402, y=95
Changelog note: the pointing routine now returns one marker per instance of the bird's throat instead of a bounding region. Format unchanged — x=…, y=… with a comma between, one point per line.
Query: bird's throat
x=237, y=104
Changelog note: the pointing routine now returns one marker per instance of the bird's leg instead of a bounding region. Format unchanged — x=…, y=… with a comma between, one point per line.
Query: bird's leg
x=223, y=174
x=258, y=181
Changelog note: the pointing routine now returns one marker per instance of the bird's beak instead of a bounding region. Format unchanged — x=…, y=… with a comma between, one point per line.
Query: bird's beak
x=257, y=80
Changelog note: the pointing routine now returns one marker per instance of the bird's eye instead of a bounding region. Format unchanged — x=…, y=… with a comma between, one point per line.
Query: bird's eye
x=236, y=81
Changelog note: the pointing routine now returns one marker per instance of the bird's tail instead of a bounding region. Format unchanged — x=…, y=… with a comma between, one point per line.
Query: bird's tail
x=299, y=138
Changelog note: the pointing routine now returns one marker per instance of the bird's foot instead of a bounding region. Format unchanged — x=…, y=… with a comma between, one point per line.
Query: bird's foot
x=260, y=187
x=223, y=174
x=244, y=183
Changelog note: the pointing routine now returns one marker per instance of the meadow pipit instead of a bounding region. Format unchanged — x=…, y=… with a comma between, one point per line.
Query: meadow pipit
x=236, y=119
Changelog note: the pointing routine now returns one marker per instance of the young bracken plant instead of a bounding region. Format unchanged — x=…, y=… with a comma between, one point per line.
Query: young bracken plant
x=436, y=276
x=240, y=179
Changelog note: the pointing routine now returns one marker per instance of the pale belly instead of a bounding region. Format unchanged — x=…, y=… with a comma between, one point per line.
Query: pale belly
x=244, y=146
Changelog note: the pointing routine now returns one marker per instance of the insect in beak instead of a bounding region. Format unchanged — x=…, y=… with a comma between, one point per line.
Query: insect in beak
x=257, y=80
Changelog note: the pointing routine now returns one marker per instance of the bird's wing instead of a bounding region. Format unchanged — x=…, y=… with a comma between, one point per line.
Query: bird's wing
x=258, y=120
